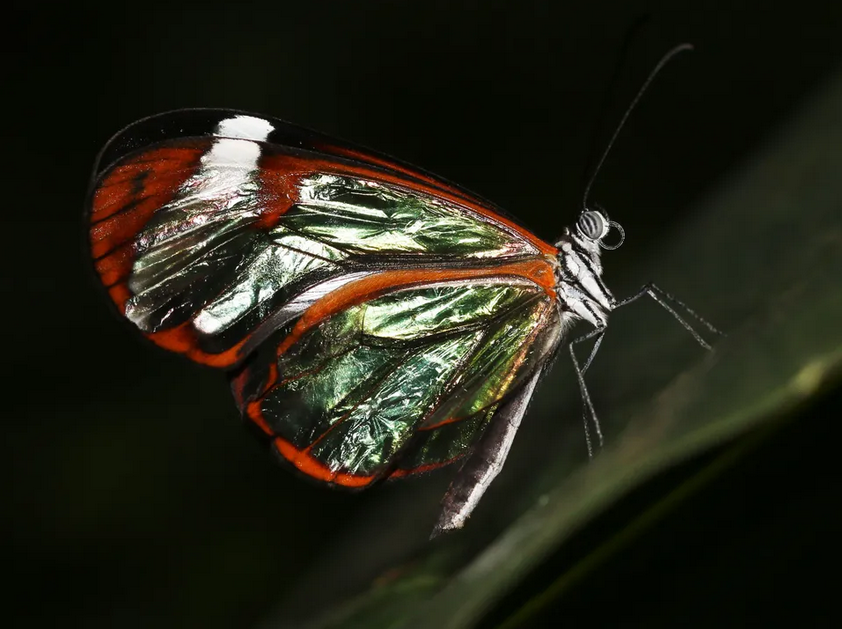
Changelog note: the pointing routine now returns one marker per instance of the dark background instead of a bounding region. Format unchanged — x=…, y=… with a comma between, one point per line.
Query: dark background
x=135, y=496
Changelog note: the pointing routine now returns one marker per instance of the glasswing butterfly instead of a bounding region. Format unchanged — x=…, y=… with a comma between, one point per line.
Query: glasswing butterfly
x=375, y=320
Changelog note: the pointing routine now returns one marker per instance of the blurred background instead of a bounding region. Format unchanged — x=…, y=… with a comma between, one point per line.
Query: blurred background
x=135, y=496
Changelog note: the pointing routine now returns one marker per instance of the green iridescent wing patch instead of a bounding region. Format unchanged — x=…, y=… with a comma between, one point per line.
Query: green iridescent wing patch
x=403, y=381
x=365, y=216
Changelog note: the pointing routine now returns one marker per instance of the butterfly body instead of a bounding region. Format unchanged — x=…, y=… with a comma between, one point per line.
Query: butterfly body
x=375, y=320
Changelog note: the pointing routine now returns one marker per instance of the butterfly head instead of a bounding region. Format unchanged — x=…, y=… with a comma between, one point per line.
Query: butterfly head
x=590, y=234
x=579, y=283
x=594, y=226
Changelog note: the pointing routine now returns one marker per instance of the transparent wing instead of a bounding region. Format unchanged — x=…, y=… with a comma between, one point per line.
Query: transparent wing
x=373, y=386
x=209, y=242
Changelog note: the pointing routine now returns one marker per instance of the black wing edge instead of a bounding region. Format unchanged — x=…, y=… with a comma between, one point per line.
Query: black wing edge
x=202, y=122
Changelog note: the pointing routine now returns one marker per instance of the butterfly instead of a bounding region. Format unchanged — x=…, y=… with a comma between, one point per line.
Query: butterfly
x=375, y=321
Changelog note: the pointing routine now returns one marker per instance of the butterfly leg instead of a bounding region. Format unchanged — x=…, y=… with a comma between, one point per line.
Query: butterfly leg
x=664, y=299
x=587, y=405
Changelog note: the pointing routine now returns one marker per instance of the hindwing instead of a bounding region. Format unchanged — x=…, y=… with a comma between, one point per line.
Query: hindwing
x=374, y=385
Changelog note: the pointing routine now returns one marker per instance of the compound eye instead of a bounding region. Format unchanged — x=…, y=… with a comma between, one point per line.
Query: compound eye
x=593, y=225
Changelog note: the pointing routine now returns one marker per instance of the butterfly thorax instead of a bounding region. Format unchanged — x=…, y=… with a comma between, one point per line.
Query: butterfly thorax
x=581, y=291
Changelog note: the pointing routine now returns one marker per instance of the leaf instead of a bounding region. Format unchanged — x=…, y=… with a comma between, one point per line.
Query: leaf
x=763, y=259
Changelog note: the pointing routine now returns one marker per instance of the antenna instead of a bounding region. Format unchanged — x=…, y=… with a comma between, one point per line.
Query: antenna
x=664, y=60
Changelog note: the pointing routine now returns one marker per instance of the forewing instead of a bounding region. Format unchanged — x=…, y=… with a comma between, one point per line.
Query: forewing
x=212, y=229
x=398, y=382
